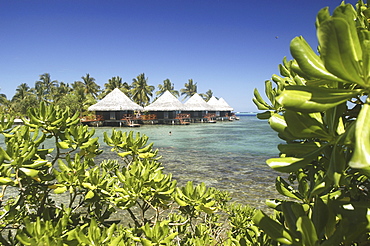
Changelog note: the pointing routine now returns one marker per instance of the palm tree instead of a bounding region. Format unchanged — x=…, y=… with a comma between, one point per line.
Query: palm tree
x=44, y=87
x=113, y=83
x=167, y=86
x=79, y=97
x=206, y=96
x=3, y=99
x=77, y=85
x=141, y=90
x=4, y=103
x=189, y=90
x=22, y=91
x=90, y=86
x=23, y=100
x=62, y=90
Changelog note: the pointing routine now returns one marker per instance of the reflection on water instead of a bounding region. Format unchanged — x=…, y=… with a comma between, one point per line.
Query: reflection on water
x=227, y=155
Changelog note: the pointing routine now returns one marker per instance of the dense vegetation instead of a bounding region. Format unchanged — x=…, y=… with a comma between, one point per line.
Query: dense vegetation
x=321, y=108
x=79, y=95
x=54, y=192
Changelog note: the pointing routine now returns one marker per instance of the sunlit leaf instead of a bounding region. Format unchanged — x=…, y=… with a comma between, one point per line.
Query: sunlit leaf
x=275, y=230
x=361, y=156
x=340, y=49
x=29, y=172
x=314, y=99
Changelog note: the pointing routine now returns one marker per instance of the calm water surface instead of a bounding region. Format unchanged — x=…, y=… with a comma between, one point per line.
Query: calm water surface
x=227, y=155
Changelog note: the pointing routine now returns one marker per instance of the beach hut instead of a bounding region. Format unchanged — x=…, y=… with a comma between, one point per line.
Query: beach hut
x=115, y=107
x=221, y=107
x=227, y=108
x=166, y=107
x=216, y=104
x=197, y=107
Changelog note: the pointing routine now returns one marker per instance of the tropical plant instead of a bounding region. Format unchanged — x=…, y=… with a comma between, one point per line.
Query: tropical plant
x=320, y=107
x=22, y=100
x=3, y=103
x=113, y=83
x=44, y=88
x=77, y=99
x=167, y=86
x=2, y=98
x=141, y=91
x=206, y=96
x=61, y=90
x=56, y=193
x=22, y=91
x=90, y=87
x=189, y=90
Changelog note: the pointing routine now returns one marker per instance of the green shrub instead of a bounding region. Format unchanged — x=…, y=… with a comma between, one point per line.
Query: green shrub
x=54, y=192
x=320, y=107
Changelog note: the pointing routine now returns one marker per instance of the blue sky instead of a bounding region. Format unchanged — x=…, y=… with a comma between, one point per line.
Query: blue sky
x=228, y=46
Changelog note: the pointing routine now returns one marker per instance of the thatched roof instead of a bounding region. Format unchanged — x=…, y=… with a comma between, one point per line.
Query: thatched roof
x=196, y=103
x=166, y=102
x=225, y=105
x=115, y=101
x=219, y=105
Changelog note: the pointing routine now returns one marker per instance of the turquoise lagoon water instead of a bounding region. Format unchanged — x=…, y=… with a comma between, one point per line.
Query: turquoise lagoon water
x=227, y=155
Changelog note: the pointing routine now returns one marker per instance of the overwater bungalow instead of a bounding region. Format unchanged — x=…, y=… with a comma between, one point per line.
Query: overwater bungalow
x=198, y=109
x=117, y=109
x=167, y=110
x=221, y=107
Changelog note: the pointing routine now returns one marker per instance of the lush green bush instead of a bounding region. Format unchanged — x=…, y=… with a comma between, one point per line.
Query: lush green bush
x=54, y=192
x=320, y=107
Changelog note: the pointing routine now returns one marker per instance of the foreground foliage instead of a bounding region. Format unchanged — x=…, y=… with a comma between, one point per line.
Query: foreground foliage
x=54, y=192
x=320, y=107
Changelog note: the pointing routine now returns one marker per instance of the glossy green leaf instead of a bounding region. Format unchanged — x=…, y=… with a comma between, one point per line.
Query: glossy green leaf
x=366, y=58
x=361, y=156
x=298, y=149
x=265, y=115
x=334, y=119
x=278, y=123
x=314, y=99
x=5, y=181
x=90, y=194
x=63, y=145
x=303, y=125
x=292, y=164
x=320, y=216
x=124, y=154
x=318, y=189
x=146, y=155
x=287, y=164
x=340, y=49
x=274, y=229
x=322, y=16
x=4, y=156
x=291, y=216
x=285, y=189
x=308, y=232
x=274, y=203
x=261, y=104
x=269, y=91
x=29, y=172
x=60, y=190
x=337, y=165
x=309, y=62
